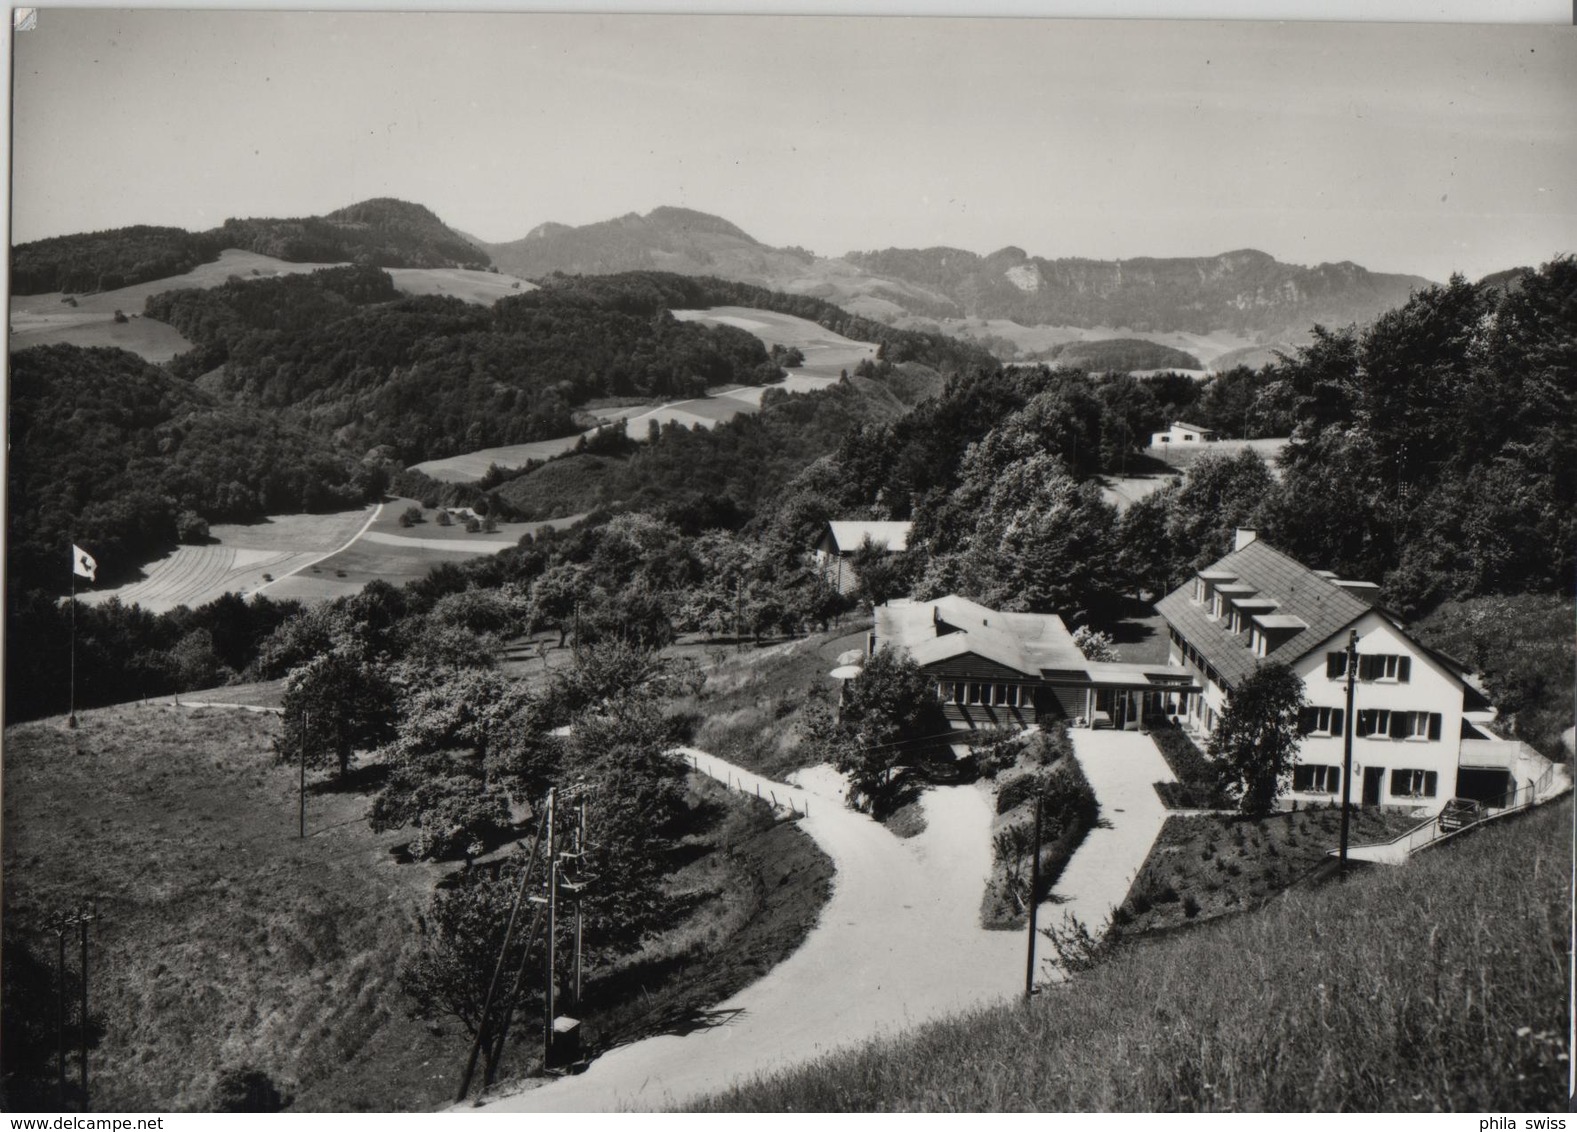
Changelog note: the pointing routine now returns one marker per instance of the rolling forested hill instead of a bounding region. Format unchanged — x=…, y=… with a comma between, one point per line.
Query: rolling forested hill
x=382, y=232
x=111, y=452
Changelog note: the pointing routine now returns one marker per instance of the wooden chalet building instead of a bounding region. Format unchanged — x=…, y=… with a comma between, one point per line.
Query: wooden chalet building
x=1417, y=739
x=996, y=669
x=844, y=536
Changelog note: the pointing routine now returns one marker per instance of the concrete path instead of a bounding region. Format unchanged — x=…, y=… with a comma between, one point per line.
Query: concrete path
x=1123, y=767
x=898, y=943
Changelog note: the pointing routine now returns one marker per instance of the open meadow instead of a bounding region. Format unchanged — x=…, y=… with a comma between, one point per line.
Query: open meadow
x=827, y=355
x=89, y=319
x=239, y=558
x=396, y=554
x=310, y=557
x=39, y=320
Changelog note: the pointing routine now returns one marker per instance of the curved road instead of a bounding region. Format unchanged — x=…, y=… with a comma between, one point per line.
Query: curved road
x=898, y=943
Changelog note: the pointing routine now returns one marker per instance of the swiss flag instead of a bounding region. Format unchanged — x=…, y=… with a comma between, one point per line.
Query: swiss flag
x=82, y=563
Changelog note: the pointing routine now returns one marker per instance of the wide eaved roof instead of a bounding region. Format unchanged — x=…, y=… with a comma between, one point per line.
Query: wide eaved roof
x=849, y=534
x=950, y=626
x=1300, y=594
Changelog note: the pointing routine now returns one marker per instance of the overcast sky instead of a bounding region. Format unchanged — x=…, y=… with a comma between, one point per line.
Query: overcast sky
x=1406, y=148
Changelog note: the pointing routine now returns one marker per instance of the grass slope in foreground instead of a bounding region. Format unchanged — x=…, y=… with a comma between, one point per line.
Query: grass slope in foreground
x=225, y=941
x=1441, y=985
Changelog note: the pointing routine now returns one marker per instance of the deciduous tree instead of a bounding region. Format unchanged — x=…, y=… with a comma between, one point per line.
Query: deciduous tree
x=1255, y=743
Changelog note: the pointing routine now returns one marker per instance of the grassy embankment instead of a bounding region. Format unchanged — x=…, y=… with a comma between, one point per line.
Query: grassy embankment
x=1440, y=985
x=748, y=710
x=1208, y=865
x=225, y=940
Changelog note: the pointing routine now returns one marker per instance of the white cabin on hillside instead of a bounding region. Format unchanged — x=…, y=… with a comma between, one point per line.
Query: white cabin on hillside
x=1182, y=432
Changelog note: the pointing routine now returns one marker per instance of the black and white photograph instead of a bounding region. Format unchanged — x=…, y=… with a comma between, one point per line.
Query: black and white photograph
x=788, y=563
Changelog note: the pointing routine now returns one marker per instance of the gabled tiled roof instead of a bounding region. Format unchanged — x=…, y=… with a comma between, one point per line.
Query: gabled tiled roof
x=848, y=534
x=1324, y=607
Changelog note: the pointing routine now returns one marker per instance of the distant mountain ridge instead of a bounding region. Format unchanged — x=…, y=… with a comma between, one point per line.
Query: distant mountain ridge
x=666, y=239
x=1246, y=291
x=382, y=232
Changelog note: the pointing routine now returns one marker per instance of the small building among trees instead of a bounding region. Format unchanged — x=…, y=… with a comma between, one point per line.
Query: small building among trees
x=1181, y=432
x=843, y=538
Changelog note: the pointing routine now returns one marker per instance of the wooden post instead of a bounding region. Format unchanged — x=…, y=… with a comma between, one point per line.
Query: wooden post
x=1347, y=733
x=1034, y=907
x=553, y=892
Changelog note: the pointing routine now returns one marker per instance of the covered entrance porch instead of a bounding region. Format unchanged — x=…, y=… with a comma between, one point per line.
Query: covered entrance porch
x=1119, y=695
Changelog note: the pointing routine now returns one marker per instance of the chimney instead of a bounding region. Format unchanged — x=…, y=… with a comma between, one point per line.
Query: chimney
x=1244, y=536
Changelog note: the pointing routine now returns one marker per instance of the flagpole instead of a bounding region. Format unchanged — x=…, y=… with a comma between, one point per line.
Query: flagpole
x=71, y=708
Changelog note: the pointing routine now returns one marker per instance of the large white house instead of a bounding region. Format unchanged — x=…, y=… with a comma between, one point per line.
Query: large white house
x=1416, y=738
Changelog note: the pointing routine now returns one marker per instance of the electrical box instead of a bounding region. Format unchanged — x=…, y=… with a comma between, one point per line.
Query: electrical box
x=565, y=1049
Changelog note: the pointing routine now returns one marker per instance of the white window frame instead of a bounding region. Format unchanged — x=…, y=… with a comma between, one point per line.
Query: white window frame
x=1418, y=782
x=1382, y=723
x=1321, y=778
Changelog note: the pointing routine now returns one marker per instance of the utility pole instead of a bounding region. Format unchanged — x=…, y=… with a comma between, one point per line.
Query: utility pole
x=1034, y=907
x=580, y=848
x=498, y=967
x=553, y=922
x=1347, y=730
x=553, y=895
